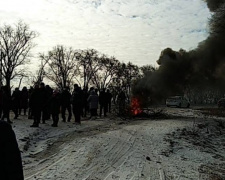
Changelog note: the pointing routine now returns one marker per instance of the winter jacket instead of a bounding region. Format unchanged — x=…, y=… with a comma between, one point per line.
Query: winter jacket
x=77, y=99
x=10, y=158
x=24, y=99
x=93, y=100
x=102, y=98
x=38, y=99
x=66, y=98
x=16, y=99
x=54, y=104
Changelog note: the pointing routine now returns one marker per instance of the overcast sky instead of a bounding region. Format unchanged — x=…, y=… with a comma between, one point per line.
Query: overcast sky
x=130, y=30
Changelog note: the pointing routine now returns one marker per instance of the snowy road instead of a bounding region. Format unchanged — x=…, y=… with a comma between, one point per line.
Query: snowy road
x=108, y=149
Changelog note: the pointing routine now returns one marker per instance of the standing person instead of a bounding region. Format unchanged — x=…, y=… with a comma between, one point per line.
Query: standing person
x=6, y=100
x=16, y=102
x=10, y=158
x=66, y=104
x=45, y=93
x=108, y=100
x=93, y=103
x=54, y=104
x=86, y=106
x=30, y=114
x=37, y=103
x=103, y=102
x=24, y=100
x=46, y=111
x=77, y=103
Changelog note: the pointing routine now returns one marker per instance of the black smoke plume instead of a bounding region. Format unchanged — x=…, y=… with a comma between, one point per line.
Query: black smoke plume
x=201, y=68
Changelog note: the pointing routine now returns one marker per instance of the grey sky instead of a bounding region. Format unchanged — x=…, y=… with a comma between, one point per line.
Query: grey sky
x=130, y=30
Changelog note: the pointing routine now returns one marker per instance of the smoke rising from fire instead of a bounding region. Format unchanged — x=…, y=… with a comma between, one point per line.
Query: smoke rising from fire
x=200, y=68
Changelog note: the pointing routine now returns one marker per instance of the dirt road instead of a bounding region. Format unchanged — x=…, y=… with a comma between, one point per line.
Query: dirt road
x=107, y=149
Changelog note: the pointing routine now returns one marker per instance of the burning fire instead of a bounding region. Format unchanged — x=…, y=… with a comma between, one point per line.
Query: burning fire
x=135, y=106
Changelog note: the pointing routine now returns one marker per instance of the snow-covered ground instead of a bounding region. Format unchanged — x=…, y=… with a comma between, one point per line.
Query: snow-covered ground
x=185, y=145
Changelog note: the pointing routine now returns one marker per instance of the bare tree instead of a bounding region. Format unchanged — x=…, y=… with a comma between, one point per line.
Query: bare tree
x=89, y=64
x=107, y=72
x=40, y=73
x=126, y=74
x=61, y=65
x=15, y=44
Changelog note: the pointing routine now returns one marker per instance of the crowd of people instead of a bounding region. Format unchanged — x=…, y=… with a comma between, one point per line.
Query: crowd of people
x=42, y=103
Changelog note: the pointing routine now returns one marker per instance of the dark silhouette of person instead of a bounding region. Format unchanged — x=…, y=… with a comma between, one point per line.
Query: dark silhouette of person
x=86, y=106
x=93, y=103
x=54, y=104
x=108, y=100
x=37, y=103
x=103, y=103
x=46, y=93
x=6, y=100
x=24, y=100
x=30, y=114
x=46, y=115
x=16, y=102
x=77, y=100
x=10, y=158
x=66, y=104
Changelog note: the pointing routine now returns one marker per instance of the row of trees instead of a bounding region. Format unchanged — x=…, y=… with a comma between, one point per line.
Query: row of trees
x=63, y=66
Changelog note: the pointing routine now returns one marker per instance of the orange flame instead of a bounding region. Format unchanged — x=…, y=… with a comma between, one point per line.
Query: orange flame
x=135, y=106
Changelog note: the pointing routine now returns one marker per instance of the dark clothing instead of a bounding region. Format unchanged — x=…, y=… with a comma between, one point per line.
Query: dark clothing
x=77, y=102
x=10, y=158
x=6, y=100
x=30, y=113
x=24, y=100
x=86, y=106
x=93, y=103
x=37, y=103
x=121, y=101
x=103, y=103
x=108, y=100
x=66, y=105
x=54, y=104
x=46, y=110
x=16, y=102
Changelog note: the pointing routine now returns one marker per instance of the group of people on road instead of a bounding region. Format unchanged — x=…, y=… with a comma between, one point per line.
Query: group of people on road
x=42, y=103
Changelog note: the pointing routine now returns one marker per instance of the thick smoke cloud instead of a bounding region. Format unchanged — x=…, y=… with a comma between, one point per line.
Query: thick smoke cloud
x=214, y=4
x=200, y=68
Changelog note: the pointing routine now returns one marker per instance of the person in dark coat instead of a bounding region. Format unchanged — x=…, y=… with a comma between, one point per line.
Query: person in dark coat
x=46, y=92
x=77, y=101
x=16, y=102
x=30, y=114
x=37, y=103
x=54, y=104
x=103, y=103
x=10, y=158
x=46, y=110
x=108, y=100
x=6, y=100
x=86, y=106
x=66, y=104
x=24, y=100
x=93, y=103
